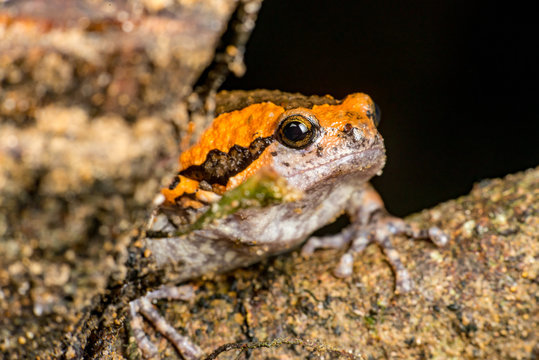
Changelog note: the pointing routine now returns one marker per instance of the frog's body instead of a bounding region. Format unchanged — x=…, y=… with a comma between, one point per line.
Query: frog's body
x=251, y=235
x=324, y=150
x=344, y=153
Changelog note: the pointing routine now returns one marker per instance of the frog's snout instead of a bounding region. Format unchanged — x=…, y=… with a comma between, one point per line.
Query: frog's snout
x=357, y=134
x=347, y=128
x=354, y=134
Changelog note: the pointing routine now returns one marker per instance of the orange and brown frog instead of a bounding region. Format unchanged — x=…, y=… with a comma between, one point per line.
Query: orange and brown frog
x=270, y=170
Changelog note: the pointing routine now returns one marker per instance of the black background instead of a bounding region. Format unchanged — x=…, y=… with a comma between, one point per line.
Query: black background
x=457, y=83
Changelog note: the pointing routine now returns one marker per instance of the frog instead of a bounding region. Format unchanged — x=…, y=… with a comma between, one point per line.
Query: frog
x=270, y=170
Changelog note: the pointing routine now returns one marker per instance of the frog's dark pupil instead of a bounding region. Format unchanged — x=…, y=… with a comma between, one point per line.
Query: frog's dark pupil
x=295, y=131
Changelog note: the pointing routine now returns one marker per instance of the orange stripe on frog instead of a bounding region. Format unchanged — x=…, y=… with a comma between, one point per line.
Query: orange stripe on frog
x=239, y=127
x=184, y=186
x=242, y=127
x=337, y=116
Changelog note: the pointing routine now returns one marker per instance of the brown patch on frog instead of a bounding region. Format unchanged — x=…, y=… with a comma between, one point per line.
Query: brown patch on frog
x=319, y=151
x=219, y=166
x=238, y=99
x=204, y=185
x=263, y=161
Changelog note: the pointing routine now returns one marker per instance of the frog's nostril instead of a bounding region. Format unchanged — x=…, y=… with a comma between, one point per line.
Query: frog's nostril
x=357, y=134
x=347, y=127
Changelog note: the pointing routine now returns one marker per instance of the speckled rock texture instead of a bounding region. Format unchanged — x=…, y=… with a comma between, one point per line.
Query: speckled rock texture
x=92, y=103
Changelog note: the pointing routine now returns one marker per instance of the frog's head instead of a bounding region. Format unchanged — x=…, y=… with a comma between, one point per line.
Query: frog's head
x=329, y=141
x=306, y=144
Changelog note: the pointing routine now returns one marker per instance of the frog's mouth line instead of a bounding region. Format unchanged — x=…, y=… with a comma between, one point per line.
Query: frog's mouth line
x=366, y=157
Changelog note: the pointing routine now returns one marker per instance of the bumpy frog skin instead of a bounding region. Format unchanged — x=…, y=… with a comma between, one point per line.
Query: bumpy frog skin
x=319, y=153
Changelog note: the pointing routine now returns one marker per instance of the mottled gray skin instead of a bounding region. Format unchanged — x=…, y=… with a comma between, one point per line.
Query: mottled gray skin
x=251, y=235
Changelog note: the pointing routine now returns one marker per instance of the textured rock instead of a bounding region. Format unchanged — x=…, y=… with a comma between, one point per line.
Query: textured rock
x=92, y=102
x=475, y=298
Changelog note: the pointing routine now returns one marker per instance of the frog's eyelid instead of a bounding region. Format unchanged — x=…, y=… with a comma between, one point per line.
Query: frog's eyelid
x=299, y=112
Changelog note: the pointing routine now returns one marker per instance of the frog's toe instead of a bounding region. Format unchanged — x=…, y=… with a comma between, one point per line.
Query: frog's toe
x=403, y=281
x=310, y=246
x=337, y=241
x=437, y=236
x=360, y=242
x=143, y=306
x=345, y=267
x=434, y=234
x=387, y=227
x=380, y=231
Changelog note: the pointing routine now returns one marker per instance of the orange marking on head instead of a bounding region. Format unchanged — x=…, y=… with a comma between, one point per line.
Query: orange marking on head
x=337, y=116
x=243, y=126
x=353, y=111
x=239, y=127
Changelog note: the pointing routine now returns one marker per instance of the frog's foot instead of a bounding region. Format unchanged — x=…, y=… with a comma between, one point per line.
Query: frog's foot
x=338, y=241
x=380, y=231
x=143, y=306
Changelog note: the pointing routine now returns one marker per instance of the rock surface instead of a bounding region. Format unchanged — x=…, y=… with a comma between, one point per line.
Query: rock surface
x=475, y=298
x=92, y=103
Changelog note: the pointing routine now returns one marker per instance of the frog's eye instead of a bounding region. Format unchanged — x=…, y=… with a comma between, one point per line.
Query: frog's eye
x=375, y=115
x=296, y=131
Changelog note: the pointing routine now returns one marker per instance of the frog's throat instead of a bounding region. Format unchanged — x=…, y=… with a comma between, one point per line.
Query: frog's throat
x=364, y=163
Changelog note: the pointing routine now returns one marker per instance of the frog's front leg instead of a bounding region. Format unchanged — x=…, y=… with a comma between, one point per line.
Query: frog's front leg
x=179, y=259
x=371, y=223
